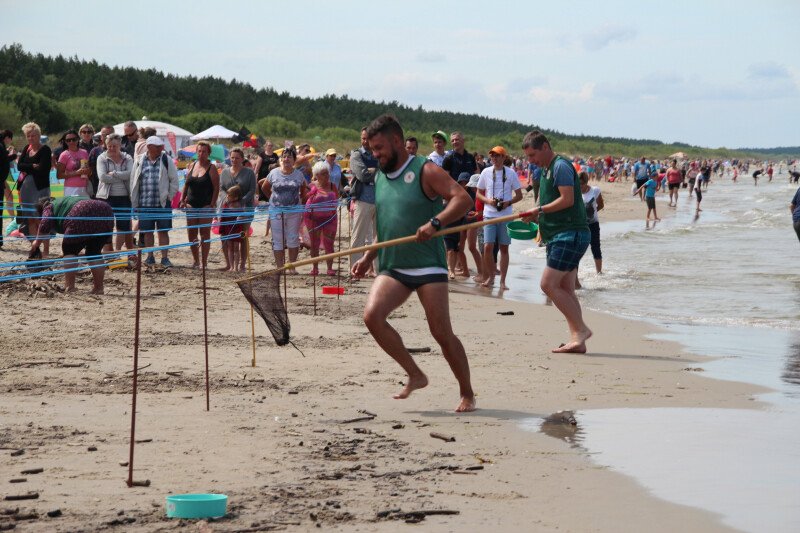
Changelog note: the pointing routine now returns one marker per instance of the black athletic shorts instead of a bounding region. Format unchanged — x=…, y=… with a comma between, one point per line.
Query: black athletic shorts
x=673, y=186
x=651, y=203
x=414, y=282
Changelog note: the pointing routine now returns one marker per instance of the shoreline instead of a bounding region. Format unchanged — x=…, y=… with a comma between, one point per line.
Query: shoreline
x=275, y=439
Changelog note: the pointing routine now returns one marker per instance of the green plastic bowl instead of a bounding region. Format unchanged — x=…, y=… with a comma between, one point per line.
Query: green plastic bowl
x=523, y=231
x=197, y=505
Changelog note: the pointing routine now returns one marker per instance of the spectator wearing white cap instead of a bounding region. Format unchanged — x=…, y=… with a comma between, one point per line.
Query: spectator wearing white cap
x=154, y=181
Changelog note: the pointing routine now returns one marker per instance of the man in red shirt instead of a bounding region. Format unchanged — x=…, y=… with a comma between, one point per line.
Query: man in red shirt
x=674, y=179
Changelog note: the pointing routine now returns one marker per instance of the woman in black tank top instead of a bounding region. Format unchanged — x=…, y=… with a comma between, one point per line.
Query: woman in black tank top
x=199, y=199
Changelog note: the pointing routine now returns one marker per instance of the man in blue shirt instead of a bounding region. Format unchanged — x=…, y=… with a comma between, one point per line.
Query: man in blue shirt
x=363, y=165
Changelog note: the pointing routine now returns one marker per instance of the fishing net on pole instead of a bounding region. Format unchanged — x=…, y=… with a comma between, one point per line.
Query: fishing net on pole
x=264, y=294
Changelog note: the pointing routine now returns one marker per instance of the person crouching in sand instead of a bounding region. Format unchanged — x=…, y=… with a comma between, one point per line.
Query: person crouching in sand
x=408, y=199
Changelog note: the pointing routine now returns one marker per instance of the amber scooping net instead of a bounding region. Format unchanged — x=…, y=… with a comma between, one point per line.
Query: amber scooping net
x=264, y=294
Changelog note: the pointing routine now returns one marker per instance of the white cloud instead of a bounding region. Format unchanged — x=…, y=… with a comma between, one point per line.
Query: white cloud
x=767, y=70
x=606, y=35
x=546, y=95
x=430, y=57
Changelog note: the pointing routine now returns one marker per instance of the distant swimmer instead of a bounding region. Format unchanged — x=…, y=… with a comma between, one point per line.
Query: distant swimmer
x=756, y=174
x=794, y=176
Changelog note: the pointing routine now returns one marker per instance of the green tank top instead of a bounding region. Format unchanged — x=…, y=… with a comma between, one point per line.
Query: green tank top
x=61, y=208
x=572, y=219
x=401, y=207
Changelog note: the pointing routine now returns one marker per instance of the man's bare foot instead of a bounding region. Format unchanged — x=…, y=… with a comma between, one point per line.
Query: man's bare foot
x=224, y=269
x=97, y=291
x=503, y=286
x=451, y=274
x=467, y=404
x=70, y=289
x=477, y=279
x=572, y=347
x=488, y=283
x=414, y=383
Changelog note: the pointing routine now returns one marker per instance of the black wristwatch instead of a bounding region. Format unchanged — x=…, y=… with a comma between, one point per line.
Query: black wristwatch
x=436, y=223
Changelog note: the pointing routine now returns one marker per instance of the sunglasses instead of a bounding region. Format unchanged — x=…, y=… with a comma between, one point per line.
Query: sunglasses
x=72, y=140
x=87, y=131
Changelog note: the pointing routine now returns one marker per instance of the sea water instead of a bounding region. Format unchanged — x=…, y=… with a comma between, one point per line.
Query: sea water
x=724, y=282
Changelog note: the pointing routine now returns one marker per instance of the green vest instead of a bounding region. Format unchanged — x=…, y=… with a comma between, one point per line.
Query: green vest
x=401, y=207
x=572, y=219
x=61, y=208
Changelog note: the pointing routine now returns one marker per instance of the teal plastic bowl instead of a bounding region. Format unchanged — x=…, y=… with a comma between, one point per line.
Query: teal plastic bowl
x=523, y=231
x=197, y=505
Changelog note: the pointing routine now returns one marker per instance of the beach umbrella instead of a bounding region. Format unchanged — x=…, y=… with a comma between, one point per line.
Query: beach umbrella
x=214, y=132
x=218, y=152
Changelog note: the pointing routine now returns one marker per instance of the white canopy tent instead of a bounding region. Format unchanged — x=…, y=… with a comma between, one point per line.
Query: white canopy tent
x=182, y=137
x=214, y=132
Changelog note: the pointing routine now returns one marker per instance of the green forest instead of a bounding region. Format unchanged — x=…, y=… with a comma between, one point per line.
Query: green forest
x=61, y=93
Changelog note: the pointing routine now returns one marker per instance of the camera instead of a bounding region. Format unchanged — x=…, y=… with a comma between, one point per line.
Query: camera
x=498, y=204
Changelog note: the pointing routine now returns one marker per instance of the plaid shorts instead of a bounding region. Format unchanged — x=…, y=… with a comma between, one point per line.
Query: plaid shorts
x=565, y=249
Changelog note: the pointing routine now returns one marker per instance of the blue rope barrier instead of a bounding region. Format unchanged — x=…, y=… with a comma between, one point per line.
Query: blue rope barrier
x=102, y=258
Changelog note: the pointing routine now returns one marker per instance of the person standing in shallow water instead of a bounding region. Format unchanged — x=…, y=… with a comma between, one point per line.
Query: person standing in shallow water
x=408, y=198
x=562, y=224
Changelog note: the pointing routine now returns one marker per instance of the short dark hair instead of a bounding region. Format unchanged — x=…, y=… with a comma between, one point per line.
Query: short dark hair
x=534, y=139
x=42, y=203
x=6, y=133
x=386, y=125
x=290, y=150
x=412, y=140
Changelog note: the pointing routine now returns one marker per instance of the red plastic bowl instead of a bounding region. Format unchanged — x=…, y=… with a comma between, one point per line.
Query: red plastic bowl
x=332, y=290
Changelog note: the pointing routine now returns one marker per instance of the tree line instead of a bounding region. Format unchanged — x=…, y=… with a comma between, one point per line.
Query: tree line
x=63, y=92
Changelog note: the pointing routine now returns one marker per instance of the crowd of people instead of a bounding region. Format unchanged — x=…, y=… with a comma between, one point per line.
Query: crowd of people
x=128, y=184
x=302, y=189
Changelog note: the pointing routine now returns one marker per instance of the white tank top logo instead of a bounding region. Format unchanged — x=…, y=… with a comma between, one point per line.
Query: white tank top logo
x=409, y=177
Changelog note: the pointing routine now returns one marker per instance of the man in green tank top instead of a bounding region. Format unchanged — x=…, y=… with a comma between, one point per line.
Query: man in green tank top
x=408, y=200
x=562, y=224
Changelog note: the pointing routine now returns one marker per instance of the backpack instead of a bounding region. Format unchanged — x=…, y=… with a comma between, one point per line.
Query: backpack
x=590, y=210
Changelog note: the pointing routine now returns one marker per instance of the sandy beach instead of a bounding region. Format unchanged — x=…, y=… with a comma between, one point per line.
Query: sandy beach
x=281, y=439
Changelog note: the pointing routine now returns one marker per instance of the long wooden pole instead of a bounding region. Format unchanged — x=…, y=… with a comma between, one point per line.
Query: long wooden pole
x=392, y=242
x=246, y=235
x=205, y=332
x=135, y=364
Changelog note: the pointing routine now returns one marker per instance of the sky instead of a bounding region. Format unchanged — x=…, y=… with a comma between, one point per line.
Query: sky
x=704, y=72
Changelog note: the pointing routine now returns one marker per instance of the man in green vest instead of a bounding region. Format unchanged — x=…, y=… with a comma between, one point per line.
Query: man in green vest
x=563, y=227
x=408, y=200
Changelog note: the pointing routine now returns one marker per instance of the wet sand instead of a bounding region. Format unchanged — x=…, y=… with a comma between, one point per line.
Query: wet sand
x=279, y=438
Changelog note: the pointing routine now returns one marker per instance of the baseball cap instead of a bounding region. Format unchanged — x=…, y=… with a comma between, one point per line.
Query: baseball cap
x=499, y=150
x=330, y=151
x=473, y=180
x=441, y=134
x=154, y=140
x=463, y=177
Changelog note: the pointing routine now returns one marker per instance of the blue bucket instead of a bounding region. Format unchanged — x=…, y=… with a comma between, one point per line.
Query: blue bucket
x=197, y=505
